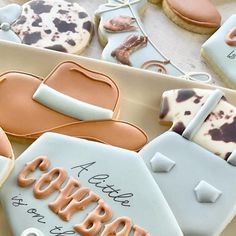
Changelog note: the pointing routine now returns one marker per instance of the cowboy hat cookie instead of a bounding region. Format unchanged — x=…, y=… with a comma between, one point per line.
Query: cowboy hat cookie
x=223, y=60
x=215, y=130
x=58, y=25
x=197, y=184
x=81, y=195
x=125, y=41
x=196, y=16
x=72, y=100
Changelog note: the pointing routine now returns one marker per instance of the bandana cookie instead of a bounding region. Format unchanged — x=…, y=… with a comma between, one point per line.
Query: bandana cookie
x=65, y=184
x=220, y=52
x=58, y=25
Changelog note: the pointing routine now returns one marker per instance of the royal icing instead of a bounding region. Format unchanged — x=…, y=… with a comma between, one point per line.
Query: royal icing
x=61, y=25
x=82, y=195
x=199, y=186
x=205, y=14
x=72, y=100
x=6, y=157
x=8, y=15
x=122, y=33
x=220, y=51
x=203, y=116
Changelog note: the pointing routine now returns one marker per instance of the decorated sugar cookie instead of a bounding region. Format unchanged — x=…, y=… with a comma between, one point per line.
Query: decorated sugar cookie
x=185, y=163
x=197, y=184
x=72, y=100
x=6, y=157
x=197, y=16
x=60, y=185
x=59, y=25
x=215, y=127
x=220, y=52
x=121, y=32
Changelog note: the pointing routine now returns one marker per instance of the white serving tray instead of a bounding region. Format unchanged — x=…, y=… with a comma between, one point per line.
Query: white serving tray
x=140, y=91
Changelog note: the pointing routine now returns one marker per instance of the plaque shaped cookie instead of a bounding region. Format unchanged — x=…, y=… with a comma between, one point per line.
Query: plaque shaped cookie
x=72, y=100
x=58, y=25
x=64, y=184
x=125, y=41
x=199, y=188
x=220, y=52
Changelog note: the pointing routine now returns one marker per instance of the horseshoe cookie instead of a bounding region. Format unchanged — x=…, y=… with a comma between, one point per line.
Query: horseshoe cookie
x=72, y=100
x=125, y=41
x=57, y=25
x=197, y=16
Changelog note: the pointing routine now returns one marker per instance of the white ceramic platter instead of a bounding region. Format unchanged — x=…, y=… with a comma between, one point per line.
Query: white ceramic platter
x=140, y=90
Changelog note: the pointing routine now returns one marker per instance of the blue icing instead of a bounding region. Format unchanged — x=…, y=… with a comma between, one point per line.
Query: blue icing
x=133, y=195
x=193, y=164
x=115, y=8
x=222, y=54
x=8, y=15
x=206, y=193
x=9, y=36
x=161, y=163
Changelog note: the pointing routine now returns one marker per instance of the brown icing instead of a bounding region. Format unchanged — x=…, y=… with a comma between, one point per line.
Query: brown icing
x=53, y=184
x=159, y=64
x=72, y=198
x=185, y=94
x=112, y=228
x=120, y=24
x=116, y=133
x=70, y=79
x=93, y=222
x=128, y=46
x=81, y=83
x=165, y=108
x=225, y=133
x=5, y=145
x=200, y=12
x=138, y=231
x=178, y=127
x=40, y=162
x=230, y=38
x=215, y=133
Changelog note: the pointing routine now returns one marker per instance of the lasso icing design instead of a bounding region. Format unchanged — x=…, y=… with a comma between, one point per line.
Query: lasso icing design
x=128, y=16
x=8, y=15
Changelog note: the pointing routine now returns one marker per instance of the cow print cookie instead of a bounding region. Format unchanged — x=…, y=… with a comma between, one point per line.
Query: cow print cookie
x=58, y=25
x=203, y=116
